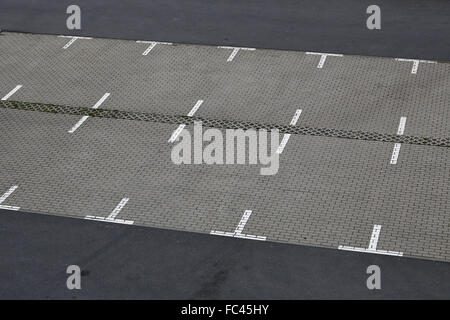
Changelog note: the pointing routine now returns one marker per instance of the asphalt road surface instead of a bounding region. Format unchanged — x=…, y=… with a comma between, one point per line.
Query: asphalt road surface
x=409, y=28
x=129, y=262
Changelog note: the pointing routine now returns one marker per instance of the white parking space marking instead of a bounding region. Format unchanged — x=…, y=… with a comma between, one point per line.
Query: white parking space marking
x=72, y=40
x=415, y=62
x=180, y=128
x=401, y=126
x=12, y=92
x=112, y=217
x=235, y=51
x=323, y=57
x=151, y=46
x=395, y=153
x=397, y=146
x=286, y=136
x=5, y=196
x=375, y=236
x=84, y=118
x=373, y=245
x=117, y=209
x=238, y=231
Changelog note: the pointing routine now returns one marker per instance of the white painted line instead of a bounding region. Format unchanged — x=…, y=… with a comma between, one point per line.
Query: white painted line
x=151, y=46
x=9, y=208
x=176, y=133
x=221, y=233
x=397, y=146
x=69, y=43
x=195, y=108
x=5, y=196
x=322, y=61
x=415, y=67
x=235, y=51
x=238, y=231
x=395, y=153
x=233, y=54
x=78, y=124
x=283, y=143
x=180, y=128
x=372, y=245
x=384, y=252
x=72, y=40
x=12, y=92
x=415, y=62
x=250, y=237
x=102, y=99
x=118, y=208
x=374, y=238
x=8, y=193
x=112, y=217
x=401, y=126
x=296, y=116
x=323, y=57
x=84, y=118
x=103, y=219
x=243, y=222
x=286, y=136
x=78, y=37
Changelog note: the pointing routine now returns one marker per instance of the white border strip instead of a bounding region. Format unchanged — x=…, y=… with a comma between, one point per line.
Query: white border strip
x=356, y=249
x=103, y=219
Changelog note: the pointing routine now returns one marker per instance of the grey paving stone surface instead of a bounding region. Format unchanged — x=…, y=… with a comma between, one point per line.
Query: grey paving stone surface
x=328, y=191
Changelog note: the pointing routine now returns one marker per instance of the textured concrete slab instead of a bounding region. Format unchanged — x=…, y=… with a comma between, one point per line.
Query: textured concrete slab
x=328, y=192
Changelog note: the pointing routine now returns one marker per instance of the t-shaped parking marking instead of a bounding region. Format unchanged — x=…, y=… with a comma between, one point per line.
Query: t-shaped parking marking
x=373, y=245
x=323, y=57
x=235, y=51
x=5, y=196
x=415, y=62
x=238, y=231
x=72, y=40
x=151, y=46
x=112, y=217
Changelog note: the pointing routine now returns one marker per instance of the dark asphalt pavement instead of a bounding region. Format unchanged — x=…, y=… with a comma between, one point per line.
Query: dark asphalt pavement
x=130, y=262
x=409, y=28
